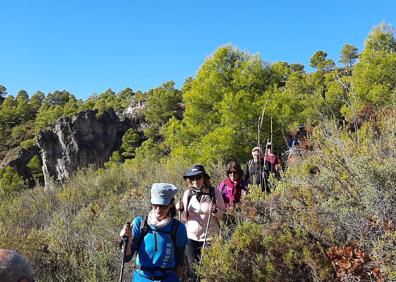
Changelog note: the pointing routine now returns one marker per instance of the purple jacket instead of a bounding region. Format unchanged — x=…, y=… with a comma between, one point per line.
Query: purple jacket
x=232, y=192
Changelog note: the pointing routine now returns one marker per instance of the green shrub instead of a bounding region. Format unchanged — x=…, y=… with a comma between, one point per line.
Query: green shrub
x=28, y=143
x=10, y=181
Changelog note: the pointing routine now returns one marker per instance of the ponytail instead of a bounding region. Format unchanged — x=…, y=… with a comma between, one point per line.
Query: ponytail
x=172, y=211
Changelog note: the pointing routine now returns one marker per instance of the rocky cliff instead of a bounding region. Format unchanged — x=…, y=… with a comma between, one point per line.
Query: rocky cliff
x=18, y=158
x=79, y=141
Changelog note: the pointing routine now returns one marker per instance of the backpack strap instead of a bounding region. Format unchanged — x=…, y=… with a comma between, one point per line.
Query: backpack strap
x=189, y=196
x=175, y=226
x=212, y=194
x=154, y=269
x=144, y=228
x=250, y=162
x=222, y=187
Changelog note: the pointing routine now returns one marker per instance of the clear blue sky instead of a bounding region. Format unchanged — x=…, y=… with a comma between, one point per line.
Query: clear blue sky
x=88, y=46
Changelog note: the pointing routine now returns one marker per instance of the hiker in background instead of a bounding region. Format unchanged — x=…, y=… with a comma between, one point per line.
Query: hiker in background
x=291, y=141
x=201, y=209
x=271, y=163
x=301, y=134
x=254, y=172
x=234, y=186
x=159, y=240
x=14, y=267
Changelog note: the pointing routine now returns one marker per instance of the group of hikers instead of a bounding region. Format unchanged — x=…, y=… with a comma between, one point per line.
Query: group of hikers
x=161, y=242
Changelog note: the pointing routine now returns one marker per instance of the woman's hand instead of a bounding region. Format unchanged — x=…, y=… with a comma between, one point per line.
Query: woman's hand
x=179, y=205
x=243, y=194
x=212, y=207
x=126, y=231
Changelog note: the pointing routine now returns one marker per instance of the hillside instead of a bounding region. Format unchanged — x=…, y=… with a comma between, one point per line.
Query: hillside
x=331, y=216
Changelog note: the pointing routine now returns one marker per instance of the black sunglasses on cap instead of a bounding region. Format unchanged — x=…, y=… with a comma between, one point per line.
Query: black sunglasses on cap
x=196, y=177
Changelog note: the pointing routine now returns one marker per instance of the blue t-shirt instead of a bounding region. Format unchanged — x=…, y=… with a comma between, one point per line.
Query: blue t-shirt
x=156, y=249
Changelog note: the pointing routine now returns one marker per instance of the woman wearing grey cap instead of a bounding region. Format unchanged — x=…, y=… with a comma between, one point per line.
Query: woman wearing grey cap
x=159, y=241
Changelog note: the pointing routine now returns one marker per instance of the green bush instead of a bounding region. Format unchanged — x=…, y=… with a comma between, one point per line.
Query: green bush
x=339, y=197
x=10, y=181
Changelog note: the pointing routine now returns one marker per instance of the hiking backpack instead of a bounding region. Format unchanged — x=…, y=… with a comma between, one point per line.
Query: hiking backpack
x=144, y=229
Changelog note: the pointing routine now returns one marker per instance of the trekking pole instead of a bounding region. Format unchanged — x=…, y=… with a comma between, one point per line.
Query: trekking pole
x=123, y=252
x=271, y=132
x=180, y=211
x=260, y=123
x=206, y=231
x=207, y=228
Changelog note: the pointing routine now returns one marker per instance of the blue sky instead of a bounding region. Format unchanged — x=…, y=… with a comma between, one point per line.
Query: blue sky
x=88, y=46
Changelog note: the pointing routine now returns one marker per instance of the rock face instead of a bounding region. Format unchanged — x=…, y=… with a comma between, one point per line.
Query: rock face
x=135, y=110
x=18, y=158
x=79, y=141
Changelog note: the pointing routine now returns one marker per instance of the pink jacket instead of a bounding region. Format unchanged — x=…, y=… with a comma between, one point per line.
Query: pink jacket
x=198, y=214
x=232, y=192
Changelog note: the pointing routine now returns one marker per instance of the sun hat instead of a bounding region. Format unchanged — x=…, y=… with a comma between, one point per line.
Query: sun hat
x=195, y=170
x=257, y=148
x=162, y=193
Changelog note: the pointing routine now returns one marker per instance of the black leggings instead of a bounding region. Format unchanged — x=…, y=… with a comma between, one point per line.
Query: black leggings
x=193, y=251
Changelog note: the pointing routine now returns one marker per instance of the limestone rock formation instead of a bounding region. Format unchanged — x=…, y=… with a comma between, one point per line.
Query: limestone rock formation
x=135, y=110
x=79, y=141
x=18, y=158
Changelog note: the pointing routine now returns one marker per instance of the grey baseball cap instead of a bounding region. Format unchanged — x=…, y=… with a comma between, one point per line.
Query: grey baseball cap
x=162, y=193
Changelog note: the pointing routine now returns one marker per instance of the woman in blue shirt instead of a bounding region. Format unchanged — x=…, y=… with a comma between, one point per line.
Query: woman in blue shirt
x=159, y=240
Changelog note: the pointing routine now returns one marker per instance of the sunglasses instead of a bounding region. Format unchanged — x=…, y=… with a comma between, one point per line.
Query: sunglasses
x=233, y=172
x=196, y=177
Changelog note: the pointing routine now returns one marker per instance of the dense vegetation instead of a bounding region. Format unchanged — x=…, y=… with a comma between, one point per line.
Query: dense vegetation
x=331, y=217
